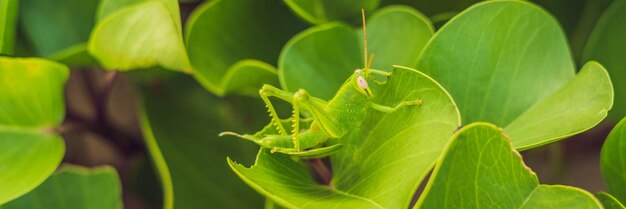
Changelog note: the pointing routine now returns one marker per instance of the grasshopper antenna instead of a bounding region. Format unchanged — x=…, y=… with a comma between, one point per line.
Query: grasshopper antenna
x=366, y=62
x=371, y=59
x=364, y=39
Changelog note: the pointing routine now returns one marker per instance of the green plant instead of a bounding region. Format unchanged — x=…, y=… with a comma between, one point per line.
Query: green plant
x=147, y=86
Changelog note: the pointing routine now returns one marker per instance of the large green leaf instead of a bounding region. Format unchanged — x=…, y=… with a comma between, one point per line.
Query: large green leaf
x=321, y=11
x=139, y=35
x=481, y=169
x=512, y=67
x=382, y=162
x=609, y=201
x=607, y=44
x=224, y=35
x=54, y=27
x=31, y=105
x=613, y=161
x=321, y=58
x=74, y=187
x=579, y=105
x=8, y=13
x=181, y=122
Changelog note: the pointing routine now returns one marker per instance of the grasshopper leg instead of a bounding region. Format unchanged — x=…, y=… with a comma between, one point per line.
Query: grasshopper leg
x=267, y=91
x=388, y=109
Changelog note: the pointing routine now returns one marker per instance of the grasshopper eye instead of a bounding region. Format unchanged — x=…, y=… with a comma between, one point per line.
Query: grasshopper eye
x=362, y=82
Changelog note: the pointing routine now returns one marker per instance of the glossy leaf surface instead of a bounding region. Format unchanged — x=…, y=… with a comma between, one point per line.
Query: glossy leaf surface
x=609, y=201
x=74, y=187
x=512, y=67
x=607, y=45
x=613, y=161
x=8, y=19
x=140, y=35
x=238, y=37
x=321, y=58
x=481, y=169
x=31, y=105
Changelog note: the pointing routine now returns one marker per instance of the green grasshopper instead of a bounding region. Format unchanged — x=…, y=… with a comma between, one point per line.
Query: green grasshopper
x=332, y=119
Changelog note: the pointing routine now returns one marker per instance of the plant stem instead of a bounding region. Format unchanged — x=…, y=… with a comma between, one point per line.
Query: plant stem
x=103, y=96
x=126, y=143
x=323, y=172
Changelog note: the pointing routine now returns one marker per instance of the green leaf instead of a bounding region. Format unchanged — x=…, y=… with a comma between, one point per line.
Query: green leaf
x=512, y=67
x=75, y=187
x=607, y=44
x=52, y=27
x=8, y=14
x=613, y=161
x=579, y=105
x=181, y=122
x=393, y=28
x=609, y=201
x=31, y=105
x=238, y=37
x=141, y=35
x=371, y=171
x=321, y=58
x=321, y=11
x=481, y=169
x=432, y=8
x=76, y=55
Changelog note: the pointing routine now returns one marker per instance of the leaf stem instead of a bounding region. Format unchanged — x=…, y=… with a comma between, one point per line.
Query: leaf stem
x=322, y=171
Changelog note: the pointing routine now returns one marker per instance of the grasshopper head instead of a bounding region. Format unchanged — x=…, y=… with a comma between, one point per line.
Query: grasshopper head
x=361, y=83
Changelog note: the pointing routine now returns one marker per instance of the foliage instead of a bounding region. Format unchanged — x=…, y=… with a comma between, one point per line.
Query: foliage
x=493, y=78
x=75, y=187
x=31, y=107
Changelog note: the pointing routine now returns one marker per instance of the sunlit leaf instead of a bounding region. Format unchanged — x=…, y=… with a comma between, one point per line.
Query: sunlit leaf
x=512, y=67
x=31, y=106
x=8, y=14
x=607, y=45
x=74, y=187
x=140, y=35
x=481, y=169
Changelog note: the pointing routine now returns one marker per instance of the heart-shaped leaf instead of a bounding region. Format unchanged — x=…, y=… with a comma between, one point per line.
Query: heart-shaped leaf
x=181, y=122
x=56, y=28
x=513, y=68
x=75, y=187
x=31, y=105
x=382, y=162
x=237, y=37
x=481, y=169
x=140, y=35
x=321, y=11
x=321, y=58
x=607, y=44
x=609, y=201
x=8, y=14
x=613, y=161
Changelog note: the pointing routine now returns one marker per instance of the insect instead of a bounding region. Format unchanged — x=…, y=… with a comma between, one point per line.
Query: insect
x=329, y=119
